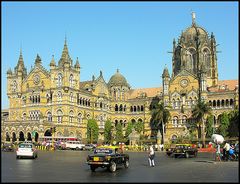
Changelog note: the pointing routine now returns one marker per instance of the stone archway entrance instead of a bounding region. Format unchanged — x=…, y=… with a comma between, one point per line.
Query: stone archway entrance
x=48, y=133
x=36, y=137
x=14, y=138
x=7, y=137
x=21, y=136
x=29, y=137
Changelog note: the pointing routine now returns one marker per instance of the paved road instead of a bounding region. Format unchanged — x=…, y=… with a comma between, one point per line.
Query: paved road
x=69, y=166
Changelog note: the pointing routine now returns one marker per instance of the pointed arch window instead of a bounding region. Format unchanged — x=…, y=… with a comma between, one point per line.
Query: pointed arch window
x=79, y=118
x=59, y=96
x=71, y=97
x=49, y=117
x=59, y=116
x=71, y=80
x=59, y=80
x=71, y=116
x=175, y=121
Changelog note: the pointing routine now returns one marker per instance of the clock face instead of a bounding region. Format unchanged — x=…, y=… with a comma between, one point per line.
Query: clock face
x=36, y=79
x=184, y=82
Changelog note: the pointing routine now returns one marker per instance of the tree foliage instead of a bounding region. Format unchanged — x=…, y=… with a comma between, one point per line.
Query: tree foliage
x=108, y=132
x=160, y=116
x=199, y=113
x=139, y=126
x=119, y=133
x=92, y=131
x=233, y=128
x=128, y=129
x=209, y=126
x=224, y=124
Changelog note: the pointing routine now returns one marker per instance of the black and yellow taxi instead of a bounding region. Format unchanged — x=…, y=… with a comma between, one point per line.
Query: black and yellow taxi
x=109, y=157
x=182, y=150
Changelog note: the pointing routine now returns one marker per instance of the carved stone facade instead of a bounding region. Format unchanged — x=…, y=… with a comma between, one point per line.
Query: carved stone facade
x=41, y=99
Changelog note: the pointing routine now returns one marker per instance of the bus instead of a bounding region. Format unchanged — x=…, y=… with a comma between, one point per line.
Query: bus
x=56, y=139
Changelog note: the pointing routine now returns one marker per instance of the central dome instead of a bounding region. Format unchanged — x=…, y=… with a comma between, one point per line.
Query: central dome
x=118, y=80
x=192, y=30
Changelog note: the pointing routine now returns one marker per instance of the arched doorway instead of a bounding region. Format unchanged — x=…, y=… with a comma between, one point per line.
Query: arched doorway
x=29, y=137
x=48, y=133
x=21, y=136
x=14, y=138
x=7, y=137
x=36, y=137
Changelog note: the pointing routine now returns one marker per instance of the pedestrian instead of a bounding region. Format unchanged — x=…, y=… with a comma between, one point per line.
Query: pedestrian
x=226, y=149
x=218, y=152
x=151, y=155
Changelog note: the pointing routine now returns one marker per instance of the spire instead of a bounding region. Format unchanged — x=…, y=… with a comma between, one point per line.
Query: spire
x=38, y=60
x=165, y=72
x=193, y=18
x=65, y=54
x=9, y=71
x=117, y=70
x=20, y=64
x=77, y=65
x=52, y=63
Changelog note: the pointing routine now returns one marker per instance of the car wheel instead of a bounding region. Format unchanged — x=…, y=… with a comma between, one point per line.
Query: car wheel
x=187, y=155
x=126, y=164
x=113, y=167
x=92, y=167
x=17, y=157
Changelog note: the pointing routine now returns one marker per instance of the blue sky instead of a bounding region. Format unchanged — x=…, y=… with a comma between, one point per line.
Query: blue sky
x=134, y=37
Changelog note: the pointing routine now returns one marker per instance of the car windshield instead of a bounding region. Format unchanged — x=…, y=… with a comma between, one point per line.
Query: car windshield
x=25, y=146
x=102, y=150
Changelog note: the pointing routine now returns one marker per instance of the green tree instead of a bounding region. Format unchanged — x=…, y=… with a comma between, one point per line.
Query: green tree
x=119, y=133
x=108, y=132
x=139, y=126
x=92, y=131
x=223, y=127
x=209, y=126
x=233, y=128
x=200, y=111
x=128, y=130
x=160, y=116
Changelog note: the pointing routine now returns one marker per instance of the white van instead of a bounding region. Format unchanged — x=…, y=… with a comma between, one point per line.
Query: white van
x=77, y=145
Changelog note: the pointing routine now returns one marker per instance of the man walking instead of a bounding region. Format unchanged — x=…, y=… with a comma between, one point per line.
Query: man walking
x=151, y=156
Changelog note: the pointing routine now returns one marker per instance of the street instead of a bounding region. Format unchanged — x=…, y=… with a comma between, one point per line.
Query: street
x=70, y=166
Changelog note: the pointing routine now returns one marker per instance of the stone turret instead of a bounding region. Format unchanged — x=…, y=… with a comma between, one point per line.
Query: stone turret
x=52, y=63
x=38, y=60
x=77, y=65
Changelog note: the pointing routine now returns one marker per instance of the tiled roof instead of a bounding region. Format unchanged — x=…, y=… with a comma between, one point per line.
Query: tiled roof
x=82, y=84
x=150, y=92
x=224, y=85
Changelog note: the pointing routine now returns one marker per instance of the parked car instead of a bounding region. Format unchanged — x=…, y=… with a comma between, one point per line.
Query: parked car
x=8, y=147
x=76, y=145
x=26, y=150
x=90, y=146
x=107, y=157
x=182, y=150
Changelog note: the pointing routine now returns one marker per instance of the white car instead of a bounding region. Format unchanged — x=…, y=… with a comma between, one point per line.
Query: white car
x=26, y=150
x=77, y=145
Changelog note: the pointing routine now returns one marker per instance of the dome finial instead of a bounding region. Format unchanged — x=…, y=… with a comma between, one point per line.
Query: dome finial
x=193, y=18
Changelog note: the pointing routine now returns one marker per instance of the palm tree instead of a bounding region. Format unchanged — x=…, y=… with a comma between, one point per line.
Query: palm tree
x=160, y=116
x=200, y=111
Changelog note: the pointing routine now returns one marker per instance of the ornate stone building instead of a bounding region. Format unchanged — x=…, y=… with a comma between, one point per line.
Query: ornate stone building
x=42, y=99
